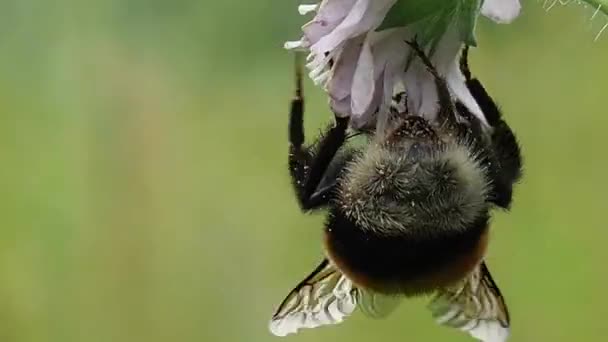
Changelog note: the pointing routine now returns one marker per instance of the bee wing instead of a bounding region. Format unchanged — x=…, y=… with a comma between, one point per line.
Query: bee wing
x=376, y=305
x=325, y=297
x=475, y=306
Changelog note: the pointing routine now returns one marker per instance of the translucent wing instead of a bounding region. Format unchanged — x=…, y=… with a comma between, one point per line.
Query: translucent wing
x=324, y=297
x=376, y=305
x=475, y=306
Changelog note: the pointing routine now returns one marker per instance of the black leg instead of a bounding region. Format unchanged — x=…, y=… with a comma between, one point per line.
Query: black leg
x=447, y=111
x=299, y=156
x=503, y=139
x=508, y=152
x=504, y=142
x=307, y=168
x=483, y=99
x=470, y=130
x=472, y=123
x=328, y=146
x=464, y=63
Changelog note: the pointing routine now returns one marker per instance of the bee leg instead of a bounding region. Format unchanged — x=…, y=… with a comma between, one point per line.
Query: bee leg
x=508, y=163
x=447, y=112
x=307, y=168
x=472, y=122
x=508, y=152
x=470, y=130
x=481, y=96
x=299, y=155
x=502, y=189
x=328, y=146
x=504, y=142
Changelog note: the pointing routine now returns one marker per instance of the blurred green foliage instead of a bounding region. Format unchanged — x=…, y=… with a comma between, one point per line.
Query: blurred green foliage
x=145, y=193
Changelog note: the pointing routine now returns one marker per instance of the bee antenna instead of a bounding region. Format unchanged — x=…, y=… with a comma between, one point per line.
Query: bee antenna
x=415, y=46
x=446, y=110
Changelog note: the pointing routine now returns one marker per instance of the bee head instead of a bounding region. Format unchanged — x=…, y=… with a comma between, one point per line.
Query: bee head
x=416, y=186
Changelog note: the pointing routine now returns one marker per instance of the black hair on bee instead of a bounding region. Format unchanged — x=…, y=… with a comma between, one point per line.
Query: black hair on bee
x=408, y=213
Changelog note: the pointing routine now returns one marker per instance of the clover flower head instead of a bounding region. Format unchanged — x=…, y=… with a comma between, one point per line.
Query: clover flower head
x=358, y=51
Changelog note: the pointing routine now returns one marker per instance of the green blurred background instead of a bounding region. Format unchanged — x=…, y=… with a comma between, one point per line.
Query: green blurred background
x=145, y=195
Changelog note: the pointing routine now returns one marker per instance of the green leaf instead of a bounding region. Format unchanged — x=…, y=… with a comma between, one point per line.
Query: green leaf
x=468, y=21
x=431, y=18
x=406, y=12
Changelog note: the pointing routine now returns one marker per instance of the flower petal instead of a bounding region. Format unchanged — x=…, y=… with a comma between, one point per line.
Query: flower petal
x=305, y=9
x=388, y=87
x=329, y=15
x=456, y=83
x=340, y=107
x=362, y=119
x=344, y=69
x=320, y=72
x=448, y=65
x=296, y=45
x=363, y=87
x=389, y=53
x=364, y=16
x=420, y=84
x=421, y=91
x=501, y=11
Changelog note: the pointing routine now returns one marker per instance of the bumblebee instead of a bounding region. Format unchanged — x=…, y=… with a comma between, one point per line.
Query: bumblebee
x=407, y=214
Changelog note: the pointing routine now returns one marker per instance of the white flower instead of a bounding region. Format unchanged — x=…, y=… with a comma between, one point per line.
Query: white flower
x=501, y=11
x=360, y=66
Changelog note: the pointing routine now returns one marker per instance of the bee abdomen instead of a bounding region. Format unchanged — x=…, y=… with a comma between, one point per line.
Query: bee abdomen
x=404, y=264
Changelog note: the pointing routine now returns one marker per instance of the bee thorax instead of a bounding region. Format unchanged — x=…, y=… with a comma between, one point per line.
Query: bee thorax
x=419, y=189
